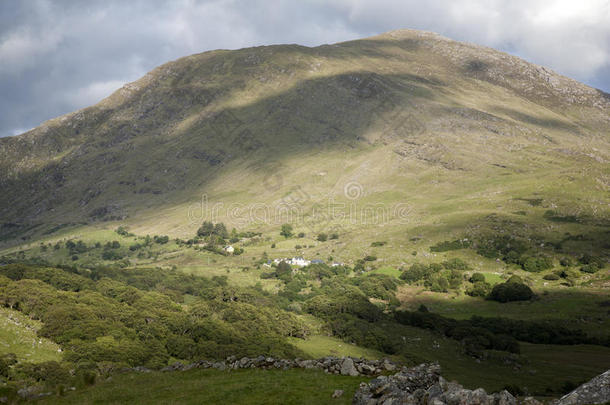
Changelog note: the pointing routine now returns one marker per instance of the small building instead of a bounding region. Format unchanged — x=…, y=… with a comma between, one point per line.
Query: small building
x=299, y=261
x=229, y=249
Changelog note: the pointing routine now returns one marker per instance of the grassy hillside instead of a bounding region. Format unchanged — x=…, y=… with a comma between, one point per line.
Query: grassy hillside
x=18, y=335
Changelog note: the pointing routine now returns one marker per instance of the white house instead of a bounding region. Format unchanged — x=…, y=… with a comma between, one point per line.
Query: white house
x=229, y=249
x=299, y=261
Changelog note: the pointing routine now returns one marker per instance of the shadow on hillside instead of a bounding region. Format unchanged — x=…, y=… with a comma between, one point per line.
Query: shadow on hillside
x=149, y=161
x=574, y=308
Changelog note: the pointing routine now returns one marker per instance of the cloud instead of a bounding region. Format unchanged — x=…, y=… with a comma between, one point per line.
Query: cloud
x=58, y=56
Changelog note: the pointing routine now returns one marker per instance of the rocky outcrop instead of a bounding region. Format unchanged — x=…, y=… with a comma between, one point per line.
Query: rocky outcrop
x=423, y=385
x=596, y=391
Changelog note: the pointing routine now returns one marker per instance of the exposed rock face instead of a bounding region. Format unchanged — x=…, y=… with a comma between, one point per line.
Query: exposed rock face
x=423, y=385
x=596, y=391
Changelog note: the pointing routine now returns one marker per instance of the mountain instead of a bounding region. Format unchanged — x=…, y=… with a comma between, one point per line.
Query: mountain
x=450, y=130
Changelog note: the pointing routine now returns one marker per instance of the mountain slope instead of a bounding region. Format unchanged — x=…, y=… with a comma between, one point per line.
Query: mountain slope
x=407, y=117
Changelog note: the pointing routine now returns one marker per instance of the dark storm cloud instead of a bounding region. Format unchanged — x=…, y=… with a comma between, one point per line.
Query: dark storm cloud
x=58, y=56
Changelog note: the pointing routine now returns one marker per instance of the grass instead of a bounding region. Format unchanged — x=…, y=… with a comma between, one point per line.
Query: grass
x=389, y=271
x=18, y=336
x=214, y=387
x=493, y=278
x=318, y=346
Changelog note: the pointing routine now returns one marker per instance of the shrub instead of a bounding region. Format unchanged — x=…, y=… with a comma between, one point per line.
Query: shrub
x=589, y=268
x=417, y=272
x=455, y=264
x=370, y=258
x=450, y=245
x=301, y=235
x=537, y=264
x=121, y=230
x=378, y=243
x=161, y=240
x=515, y=279
x=322, y=237
x=551, y=277
x=477, y=277
x=507, y=292
x=286, y=231
x=334, y=236
x=206, y=229
x=479, y=289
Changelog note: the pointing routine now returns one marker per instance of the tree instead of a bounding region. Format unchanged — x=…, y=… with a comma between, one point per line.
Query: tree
x=506, y=292
x=221, y=230
x=286, y=231
x=206, y=229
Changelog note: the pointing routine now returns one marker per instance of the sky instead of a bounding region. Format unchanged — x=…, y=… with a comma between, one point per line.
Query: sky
x=59, y=56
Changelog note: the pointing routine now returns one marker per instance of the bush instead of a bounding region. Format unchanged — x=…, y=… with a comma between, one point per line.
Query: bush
x=417, y=272
x=334, y=236
x=301, y=235
x=507, y=292
x=206, y=229
x=450, y=245
x=161, y=240
x=479, y=289
x=455, y=264
x=121, y=230
x=589, y=268
x=322, y=237
x=370, y=258
x=286, y=231
x=378, y=243
x=477, y=278
x=551, y=277
x=537, y=264
x=515, y=279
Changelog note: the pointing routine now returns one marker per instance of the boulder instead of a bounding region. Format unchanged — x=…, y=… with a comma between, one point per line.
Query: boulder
x=337, y=393
x=348, y=368
x=596, y=391
x=423, y=385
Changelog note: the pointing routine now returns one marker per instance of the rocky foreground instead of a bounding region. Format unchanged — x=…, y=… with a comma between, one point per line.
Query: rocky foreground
x=423, y=385
x=420, y=385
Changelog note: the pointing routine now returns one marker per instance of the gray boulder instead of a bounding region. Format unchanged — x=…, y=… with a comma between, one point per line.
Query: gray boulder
x=423, y=385
x=596, y=391
x=348, y=368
